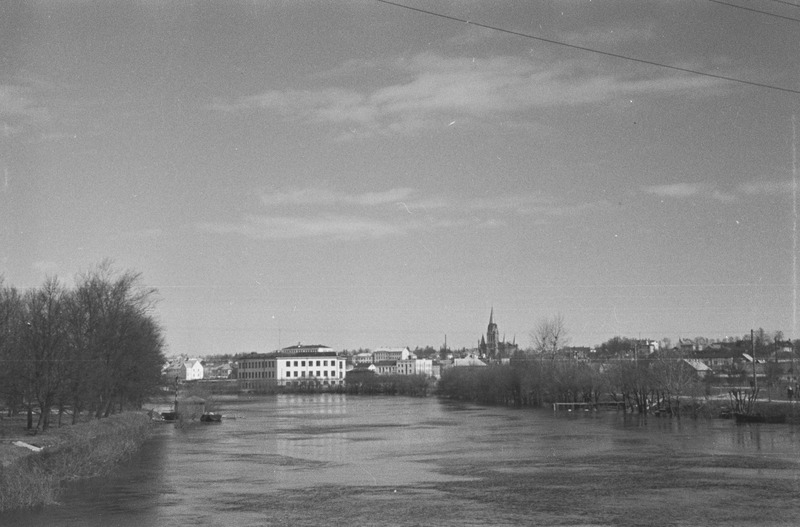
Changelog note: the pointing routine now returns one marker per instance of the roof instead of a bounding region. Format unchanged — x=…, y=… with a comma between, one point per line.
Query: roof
x=469, y=361
x=698, y=365
x=307, y=347
x=724, y=353
x=386, y=363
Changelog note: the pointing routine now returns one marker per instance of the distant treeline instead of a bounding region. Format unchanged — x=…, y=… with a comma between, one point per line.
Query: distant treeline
x=95, y=347
x=411, y=385
x=644, y=386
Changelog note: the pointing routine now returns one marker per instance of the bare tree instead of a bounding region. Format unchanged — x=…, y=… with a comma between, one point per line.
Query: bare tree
x=44, y=345
x=550, y=335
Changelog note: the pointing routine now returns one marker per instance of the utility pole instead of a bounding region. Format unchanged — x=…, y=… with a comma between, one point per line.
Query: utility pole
x=753, y=346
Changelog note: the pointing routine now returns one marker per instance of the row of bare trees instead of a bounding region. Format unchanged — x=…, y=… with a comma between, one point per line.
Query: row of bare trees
x=94, y=348
x=644, y=386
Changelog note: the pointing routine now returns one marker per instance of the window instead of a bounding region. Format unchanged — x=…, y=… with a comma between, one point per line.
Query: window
x=295, y=364
x=302, y=374
x=302, y=363
x=325, y=363
x=317, y=363
x=326, y=373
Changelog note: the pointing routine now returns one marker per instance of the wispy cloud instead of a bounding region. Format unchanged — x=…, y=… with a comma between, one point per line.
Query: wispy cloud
x=708, y=191
x=766, y=188
x=324, y=197
x=315, y=213
x=327, y=226
x=18, y=106
x=675, y=190
x=435, y=89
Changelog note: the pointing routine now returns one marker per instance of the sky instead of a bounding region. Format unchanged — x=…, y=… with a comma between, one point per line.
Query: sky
x=360, y=174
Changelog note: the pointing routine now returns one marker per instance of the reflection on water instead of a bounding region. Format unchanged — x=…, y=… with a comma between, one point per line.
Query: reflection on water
x=316, y=459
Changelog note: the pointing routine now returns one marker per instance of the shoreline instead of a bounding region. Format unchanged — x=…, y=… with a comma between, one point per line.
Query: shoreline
x=31, y=479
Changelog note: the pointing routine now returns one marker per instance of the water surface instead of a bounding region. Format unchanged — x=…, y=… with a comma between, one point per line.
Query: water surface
x=338, y=460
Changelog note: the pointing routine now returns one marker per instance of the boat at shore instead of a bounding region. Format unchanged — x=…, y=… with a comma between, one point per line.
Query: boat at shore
x=169, y=416
x=211, y=417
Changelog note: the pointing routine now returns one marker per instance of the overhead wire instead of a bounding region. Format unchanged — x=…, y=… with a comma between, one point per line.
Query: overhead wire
x=784, y=2
x=752, y=10
x=592, y=50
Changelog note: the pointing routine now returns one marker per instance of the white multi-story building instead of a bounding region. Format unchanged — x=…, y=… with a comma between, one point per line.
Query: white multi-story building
x=415, y=367
x=384, y=354
x=292, y=366
x=365, y=357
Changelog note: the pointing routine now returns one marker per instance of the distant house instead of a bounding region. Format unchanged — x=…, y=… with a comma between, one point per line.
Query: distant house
x=698, y=366
x=718, y=358
x=192, y=370
x=581, y=353
x=386, y=367
x=365, y=357
x=415, y=367
x=184, y=369
x=469, y=360
x=386, y=354
x=217, y=371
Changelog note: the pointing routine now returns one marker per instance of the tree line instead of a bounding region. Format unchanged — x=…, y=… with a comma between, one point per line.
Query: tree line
x=643, y=386
x=95, y=347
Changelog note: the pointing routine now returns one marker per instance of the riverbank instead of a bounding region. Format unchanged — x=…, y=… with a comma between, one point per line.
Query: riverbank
x=31, y=478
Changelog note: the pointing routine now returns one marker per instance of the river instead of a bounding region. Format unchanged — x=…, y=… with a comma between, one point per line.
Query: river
x=342, y=460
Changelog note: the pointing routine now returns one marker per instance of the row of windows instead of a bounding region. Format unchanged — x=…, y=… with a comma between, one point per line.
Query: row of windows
x=258, y=375
x=250, y=365
x=311, y=373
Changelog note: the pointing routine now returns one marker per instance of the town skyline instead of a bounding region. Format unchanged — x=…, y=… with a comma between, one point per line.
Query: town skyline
x=363, y=174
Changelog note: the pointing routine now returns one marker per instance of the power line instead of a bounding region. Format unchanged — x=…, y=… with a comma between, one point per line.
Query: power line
x=755, y=10
x=592, y=50
x=784, y=2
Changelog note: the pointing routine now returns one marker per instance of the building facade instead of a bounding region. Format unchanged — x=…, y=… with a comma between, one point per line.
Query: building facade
x=415, y=367
x=293, y=366
x=384, y=354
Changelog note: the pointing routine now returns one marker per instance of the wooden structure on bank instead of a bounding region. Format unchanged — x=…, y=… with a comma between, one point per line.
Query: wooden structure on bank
x=614, y=405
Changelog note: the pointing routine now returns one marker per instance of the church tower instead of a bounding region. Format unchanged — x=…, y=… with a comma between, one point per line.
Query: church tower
x=492, y=337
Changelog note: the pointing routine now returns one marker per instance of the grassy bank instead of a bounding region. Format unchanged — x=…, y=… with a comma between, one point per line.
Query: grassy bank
x=74, y=452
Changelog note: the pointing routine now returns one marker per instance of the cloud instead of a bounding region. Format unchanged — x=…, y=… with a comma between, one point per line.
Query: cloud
x=766, y=188
x=312, y=196
x=433, y=90
x=325, y=214
x=328, y=226
x=675, y=190
x=709, y=191
x=18, y=109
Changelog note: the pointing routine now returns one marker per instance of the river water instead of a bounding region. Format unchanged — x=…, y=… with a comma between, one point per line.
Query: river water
x=338, y=460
